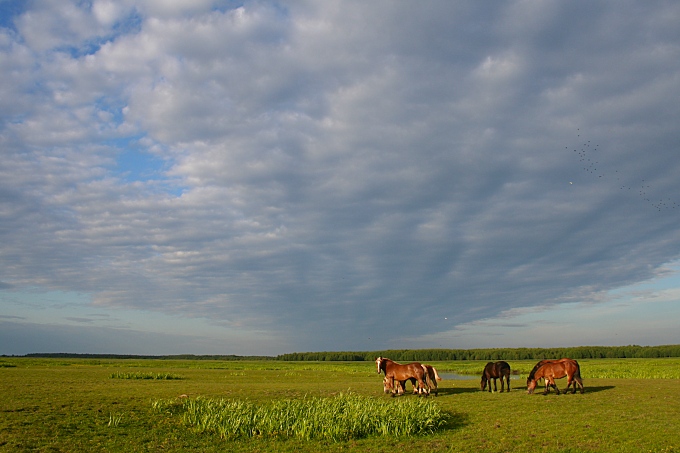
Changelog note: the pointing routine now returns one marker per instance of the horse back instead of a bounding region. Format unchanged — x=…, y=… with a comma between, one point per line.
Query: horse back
x=559, y=369
x=403, y=372
x=548, y=362
x=497, y=369
x=503, y=368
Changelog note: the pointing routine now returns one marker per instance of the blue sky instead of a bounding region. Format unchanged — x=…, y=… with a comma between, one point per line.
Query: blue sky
x=215, y=177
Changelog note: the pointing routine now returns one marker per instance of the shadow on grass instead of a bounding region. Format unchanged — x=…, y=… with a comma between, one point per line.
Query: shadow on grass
x=602, y=388
x=455, y=420
x=455, y=391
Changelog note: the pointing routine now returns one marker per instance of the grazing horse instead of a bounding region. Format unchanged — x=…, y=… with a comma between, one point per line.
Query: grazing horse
x=431, y=378
x=397, y=372
x=555, y=369
x=494, y=371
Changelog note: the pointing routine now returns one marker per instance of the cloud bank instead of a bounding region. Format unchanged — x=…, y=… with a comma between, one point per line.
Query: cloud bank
x=335, y=172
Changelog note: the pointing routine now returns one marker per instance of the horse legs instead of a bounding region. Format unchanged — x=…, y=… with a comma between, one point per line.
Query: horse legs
x=580, y=383
x=422, y=387
x=414, y=383
x=554, y=385
x=393, y=386
x=396, y=386
x=573, y=380
x=507, y=381
x=550, y=382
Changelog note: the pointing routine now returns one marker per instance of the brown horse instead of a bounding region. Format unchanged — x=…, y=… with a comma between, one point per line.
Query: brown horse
x=431, y=378
x=494, y=371
x=573, y=382
x=397, y=372
x=555, y=369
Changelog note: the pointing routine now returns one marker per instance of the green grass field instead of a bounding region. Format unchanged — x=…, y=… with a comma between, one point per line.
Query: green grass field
x=50, y=405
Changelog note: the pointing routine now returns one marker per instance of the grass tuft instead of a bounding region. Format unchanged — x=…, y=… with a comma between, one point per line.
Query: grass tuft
x=115, y=419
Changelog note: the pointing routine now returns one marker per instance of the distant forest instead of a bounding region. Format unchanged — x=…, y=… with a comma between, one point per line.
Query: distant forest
x=410, y=355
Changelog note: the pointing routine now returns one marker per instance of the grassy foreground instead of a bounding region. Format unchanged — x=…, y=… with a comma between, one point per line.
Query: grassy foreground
x=630, y=405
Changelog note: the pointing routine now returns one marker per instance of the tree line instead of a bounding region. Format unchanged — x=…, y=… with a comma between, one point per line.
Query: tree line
x=417, y=355
x=421, y=355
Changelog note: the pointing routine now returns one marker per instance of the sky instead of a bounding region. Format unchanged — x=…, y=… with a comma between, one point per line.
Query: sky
x=261, y=177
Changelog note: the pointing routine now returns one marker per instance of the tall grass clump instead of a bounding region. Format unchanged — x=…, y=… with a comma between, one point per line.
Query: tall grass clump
x=339, y=418
x=153, y=376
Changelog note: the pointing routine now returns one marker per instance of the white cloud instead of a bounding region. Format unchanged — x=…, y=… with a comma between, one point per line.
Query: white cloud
x=55, y=24
x=108, y=12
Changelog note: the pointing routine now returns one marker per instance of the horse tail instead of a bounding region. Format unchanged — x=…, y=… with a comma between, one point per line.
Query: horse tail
x=578, y=370
x=427, y=379
x=436, y=376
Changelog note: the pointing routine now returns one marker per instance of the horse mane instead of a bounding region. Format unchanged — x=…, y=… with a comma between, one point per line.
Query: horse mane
x=532, y=374
x=383, y=364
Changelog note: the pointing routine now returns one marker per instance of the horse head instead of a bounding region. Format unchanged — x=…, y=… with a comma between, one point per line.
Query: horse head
x=387, y=384
x=379, y=364
x=531, y=385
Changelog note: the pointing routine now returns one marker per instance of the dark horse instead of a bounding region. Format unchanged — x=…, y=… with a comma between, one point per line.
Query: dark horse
x=494, y=371
x=431, y=378
x=397, y=372
x=555, y=369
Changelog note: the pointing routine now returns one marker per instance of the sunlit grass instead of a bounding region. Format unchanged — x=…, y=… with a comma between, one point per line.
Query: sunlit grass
x=74, y=405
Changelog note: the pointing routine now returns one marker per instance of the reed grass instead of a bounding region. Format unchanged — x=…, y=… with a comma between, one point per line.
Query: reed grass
x=342, y=417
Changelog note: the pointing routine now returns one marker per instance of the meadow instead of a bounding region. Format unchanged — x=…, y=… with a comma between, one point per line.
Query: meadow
x=73, y=405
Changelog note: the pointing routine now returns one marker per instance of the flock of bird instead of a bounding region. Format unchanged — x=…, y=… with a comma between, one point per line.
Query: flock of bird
x=587, y=153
